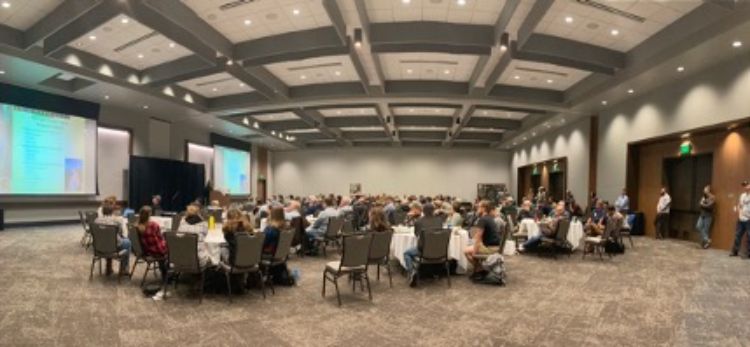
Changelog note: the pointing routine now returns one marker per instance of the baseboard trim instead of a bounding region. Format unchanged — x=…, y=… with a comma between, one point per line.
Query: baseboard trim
x=32, y=224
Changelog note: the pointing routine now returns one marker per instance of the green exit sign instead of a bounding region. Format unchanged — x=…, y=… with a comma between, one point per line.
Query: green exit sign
x=686, y=148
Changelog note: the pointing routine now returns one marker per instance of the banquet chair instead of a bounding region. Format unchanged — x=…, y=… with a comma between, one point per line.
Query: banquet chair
x=625, y=231
x=503, y=239
x=520, y=234
x=380, y=252
x=354, y=259
x=140, y=256
x=300, y=239
x=596, y=244
x=182, y=258
x=279, y=258
x=399, y=217
x=104, y=241
x=176, y=219
x=247, y=260
x=559, y=242
x=332, y=233
x=86, y=238
x=435, y=251
x=88, y=220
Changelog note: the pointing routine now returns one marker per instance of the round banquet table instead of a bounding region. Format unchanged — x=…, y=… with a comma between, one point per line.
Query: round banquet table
x=404, y=238
x=575, y=233
x=165, y=224
x=213, y=242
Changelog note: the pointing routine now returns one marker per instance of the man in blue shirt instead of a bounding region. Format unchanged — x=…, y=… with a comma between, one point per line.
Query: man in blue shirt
x=622, y=204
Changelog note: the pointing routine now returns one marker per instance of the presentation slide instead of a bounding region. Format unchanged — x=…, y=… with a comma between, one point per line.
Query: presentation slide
x=46, y=153
x=231, y=171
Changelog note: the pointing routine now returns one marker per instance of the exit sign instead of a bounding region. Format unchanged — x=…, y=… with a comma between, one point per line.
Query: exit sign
x=686, y=148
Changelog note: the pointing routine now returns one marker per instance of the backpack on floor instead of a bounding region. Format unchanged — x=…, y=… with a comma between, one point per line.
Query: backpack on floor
x=614, y=247
x=494, y=266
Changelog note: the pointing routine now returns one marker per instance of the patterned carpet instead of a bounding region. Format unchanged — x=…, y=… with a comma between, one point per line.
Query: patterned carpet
x=665, y=293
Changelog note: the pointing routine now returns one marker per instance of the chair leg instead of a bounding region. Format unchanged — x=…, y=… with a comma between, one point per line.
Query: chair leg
x=100, y=267
x=378, y=274
x=200, y=289
x=336, y=284
x=262, y=285
x=91, y=273
x=369, y=291
x=323, y=293
x=631, y=241
x=390, y=278
x=448, y=273
x=135, y=263
x=229, y=286
x=165, y=284
x=145, y=273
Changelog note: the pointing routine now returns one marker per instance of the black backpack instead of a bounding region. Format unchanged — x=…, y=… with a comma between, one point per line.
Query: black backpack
x=614, y=247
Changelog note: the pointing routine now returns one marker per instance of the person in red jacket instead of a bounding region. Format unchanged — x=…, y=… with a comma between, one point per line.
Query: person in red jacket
x=153, y=242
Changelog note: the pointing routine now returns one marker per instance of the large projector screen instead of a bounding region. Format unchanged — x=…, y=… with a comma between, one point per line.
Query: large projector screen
x=231, y=171
x=46, y=153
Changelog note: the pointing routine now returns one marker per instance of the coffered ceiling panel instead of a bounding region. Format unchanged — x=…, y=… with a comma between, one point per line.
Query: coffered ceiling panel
x=216, y=85
x=499, y=114
x=455, y=11
x=423, y=111
x=540, y=75
x=123, y=40
x=329, y=69
x=428, y=66
x=348, y=111
x=615, y=24
x=22, y=14
x=274, y=117
x=247, y=20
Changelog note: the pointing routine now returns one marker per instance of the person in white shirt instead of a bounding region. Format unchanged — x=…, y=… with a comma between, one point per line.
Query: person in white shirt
x=193, y=223
x=318, y=229
x=345, y=206
x=743, y=219
x=292, y=210
x=622, y=204
x=662, y=214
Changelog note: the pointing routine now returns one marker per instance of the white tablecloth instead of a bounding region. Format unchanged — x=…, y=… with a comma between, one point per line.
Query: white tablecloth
x=403, y=239
x=165, y=224
x=575, y=233
x=214, y=239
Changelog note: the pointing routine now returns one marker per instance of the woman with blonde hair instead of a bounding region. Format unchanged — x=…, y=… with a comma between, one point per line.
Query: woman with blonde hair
x=193, y=223
x=236, y=222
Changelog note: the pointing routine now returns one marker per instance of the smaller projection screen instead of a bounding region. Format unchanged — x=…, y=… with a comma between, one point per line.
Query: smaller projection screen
x=231, y=171
x=46, y=153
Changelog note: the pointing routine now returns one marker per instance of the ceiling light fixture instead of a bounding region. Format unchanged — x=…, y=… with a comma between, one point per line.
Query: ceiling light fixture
x=358, y=37
x=680, y=68
x=273, y=132
x=145, y=107
x=737, y=44
x=171, y=45
x=242, y=85
x=140, y=56
x=6, y=4
x=230, y=62
x=630, y=91
x=246, y=121
x=215, y=89
x=568, y=19
x=550, y=81
x=2, y=72
x=447, y=71
x=248, y=22
x=256, y=125
x=295, y=12
x=604, y=102
x=92, y=37
x=125, y=20
x=303, y=77
x=516, y=77
x=337, y=73
x=106, y=97
x=461, y=2
x=409, y=71
x=615, y=32
x=406, y=2
x=504, y=41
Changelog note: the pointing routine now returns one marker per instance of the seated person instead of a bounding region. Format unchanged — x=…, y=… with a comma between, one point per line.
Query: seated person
x=378, y=220
x=415, y=212
x=509, y=207
x=525, y=212
x=454, y=216
x=156, y=205
x=193, y=223
x=346, y=205
x=428, y=222
x=292, y=210
x=236, y=223
x=486, y=235
x=123, y=243
x=318, y=229
x=615, y=217
x=276, y=223
x=548, y=230
x=598, y=221
x=153, y=243
x=110, y=201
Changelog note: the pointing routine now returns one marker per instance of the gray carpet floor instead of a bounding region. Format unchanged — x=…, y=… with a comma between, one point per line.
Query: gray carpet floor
x=662, y=293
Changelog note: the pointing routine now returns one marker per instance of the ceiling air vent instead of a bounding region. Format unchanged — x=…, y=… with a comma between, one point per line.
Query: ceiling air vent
x=425, y=61
x=541, y=71
x=315, y=66
x=136, y=41
x=212, y=82
x=233, y=4
x=612, y=10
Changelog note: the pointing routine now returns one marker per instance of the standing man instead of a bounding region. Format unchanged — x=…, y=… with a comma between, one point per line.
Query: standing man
x=622, y=204
x=706, y=217
x=743, y=222
x=662, y=214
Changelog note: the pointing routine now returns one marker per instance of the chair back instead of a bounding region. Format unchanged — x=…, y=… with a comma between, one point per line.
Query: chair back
x=356, y=250
x=135, y=240
x=435, y=245
x=381, y=244
x=217, y=214
x=563, y=225
x=83, y=221
x=132, y=218
x=298, y=227
x=176, y=219
x=611, y=229
x=249, y=249
x=183, y=251
x=399, y=217
x=347, y=227
x=105, y=239
x=334, y=227
x=90, y=217
x=285, y=243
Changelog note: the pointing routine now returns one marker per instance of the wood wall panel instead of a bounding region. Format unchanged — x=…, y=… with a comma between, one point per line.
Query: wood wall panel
x=731, y=165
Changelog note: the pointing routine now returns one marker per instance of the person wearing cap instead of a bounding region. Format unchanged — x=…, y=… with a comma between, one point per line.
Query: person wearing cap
x=662, y=214
x=743, y=219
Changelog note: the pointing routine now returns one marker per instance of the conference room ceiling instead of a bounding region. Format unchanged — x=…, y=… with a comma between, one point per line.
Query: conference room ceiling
x=317, y=73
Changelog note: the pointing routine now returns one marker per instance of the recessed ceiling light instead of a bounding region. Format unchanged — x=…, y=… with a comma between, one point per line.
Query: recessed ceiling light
x=604, y=102
x=92, y=37
x=516, y=77
x=337, y=73
x=615, y=32
x=140, y=56
x=338, y=112
x=106, y=97
x=242, y=84
x=6, y=4
x=533, y=134
x=246, y=121
x=273, y=132
x=550, y=81
x=568, y=19
x=230, y=62
x=256, y=125
x=737, y=44
x=295, y=12
x=447, y=71
x=171, y=45
x=406, y=2
x=248, y=22
x=409, y=71
x=461, y=2
x=145, y=107
x=125, y=20
x=2, y=72
x=215, y=89
x=680, y=68
x=630, y=91
x=411, y=110
x=303, y=77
